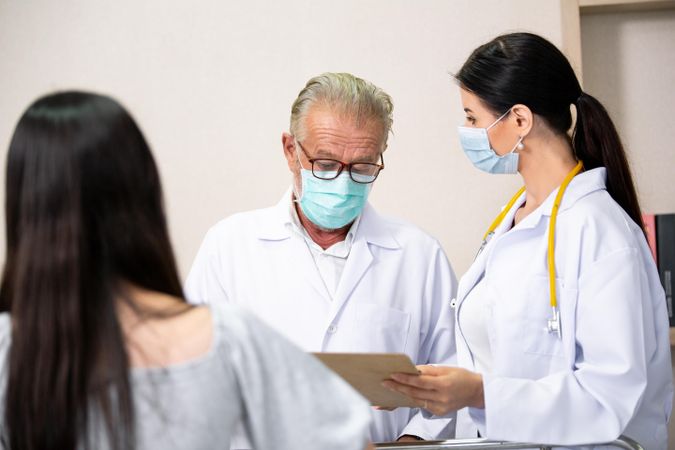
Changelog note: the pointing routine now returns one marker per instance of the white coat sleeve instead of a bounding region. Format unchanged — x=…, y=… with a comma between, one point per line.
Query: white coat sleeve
x=609, y=376
x=438, y=346
x=291, y=400
x=204, y=283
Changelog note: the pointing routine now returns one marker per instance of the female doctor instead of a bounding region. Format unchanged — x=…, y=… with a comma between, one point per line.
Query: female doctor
x=562, y=329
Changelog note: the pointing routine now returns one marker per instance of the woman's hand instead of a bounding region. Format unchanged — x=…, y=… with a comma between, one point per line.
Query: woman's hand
x=440, y=390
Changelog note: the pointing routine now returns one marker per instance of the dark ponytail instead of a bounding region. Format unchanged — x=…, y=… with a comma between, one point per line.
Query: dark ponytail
x=527, y=69
x=597, y=143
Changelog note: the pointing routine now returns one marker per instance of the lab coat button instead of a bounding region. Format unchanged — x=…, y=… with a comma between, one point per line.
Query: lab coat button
x=453, y=303
x=332, y=329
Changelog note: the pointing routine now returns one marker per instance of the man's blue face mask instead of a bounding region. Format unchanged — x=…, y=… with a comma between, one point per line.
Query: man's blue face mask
x=332, y=204
x=476, y=146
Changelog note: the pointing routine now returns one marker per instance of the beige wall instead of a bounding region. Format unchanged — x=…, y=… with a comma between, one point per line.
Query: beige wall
x=211, y=83
x=629, y=65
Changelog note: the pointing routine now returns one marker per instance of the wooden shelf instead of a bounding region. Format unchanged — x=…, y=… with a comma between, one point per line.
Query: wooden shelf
x=609, y=6
x=672, y=336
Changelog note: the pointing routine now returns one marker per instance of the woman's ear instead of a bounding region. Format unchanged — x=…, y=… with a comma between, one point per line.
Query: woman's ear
x=524, y=119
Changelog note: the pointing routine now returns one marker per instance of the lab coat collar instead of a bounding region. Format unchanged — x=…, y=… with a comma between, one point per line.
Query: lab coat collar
x=580, y=186
x=374, y=230
x=273, y=227
x=339, y=248
x=371, y=226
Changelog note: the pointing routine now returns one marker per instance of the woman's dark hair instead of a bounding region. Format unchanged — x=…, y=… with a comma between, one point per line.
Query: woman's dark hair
x=84, y=217
x=527, y=69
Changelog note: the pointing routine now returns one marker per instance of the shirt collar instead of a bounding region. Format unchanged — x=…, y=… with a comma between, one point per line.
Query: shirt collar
x=293, y=222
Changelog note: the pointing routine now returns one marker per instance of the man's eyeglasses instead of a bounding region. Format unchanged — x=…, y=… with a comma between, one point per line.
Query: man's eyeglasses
x=330, y=169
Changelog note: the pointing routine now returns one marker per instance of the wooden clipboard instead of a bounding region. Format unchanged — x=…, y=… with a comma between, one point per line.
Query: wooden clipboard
x=366, y=372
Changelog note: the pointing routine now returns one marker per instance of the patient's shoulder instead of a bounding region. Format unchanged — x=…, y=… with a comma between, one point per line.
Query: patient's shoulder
x=168, y=331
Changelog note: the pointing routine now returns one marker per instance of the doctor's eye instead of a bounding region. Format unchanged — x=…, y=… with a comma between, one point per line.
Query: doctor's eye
x=470, y=120
x=326, y=165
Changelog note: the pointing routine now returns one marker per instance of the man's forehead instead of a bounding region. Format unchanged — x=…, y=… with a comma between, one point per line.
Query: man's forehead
x=339, y=127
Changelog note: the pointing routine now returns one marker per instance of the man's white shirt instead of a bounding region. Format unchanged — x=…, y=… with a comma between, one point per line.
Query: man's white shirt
x=329, y=262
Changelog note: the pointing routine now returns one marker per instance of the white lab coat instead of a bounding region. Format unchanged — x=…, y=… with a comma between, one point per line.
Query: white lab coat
x=393, y=296
x=611, y=372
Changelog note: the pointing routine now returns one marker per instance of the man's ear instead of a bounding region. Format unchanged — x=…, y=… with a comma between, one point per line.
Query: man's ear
x=523, y=117
x=288, y=143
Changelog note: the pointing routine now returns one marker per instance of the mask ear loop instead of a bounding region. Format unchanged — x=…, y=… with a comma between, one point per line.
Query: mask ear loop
x=519, y=145
x=498, y=119
x=297, y=198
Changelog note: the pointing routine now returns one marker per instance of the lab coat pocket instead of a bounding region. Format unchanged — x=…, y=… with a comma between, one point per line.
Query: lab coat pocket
x=536, y=338
x=385, y=329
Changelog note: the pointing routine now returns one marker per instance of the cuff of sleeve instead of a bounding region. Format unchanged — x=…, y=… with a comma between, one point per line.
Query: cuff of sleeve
x=478, y=415
x=478, y=418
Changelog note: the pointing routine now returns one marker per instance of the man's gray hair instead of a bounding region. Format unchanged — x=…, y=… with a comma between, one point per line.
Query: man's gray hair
x=358, y=99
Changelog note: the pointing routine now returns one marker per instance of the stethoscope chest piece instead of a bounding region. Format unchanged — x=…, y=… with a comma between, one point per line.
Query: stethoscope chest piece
x=553, y=324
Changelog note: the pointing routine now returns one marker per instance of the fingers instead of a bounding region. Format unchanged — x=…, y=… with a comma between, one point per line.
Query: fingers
x=403, y=378
x=440, y=389
x=433, y=370
x=430, y=400
x=426, y=376
x=417, y=394
x=421, y=381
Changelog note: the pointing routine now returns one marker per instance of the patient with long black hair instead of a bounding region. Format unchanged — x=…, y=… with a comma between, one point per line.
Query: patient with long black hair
x=98, y=348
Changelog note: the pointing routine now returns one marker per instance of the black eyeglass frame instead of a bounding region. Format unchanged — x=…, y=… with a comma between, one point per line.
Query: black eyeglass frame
x=380, y=167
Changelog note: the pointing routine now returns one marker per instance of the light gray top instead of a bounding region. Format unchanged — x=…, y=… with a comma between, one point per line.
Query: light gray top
x=286, y=398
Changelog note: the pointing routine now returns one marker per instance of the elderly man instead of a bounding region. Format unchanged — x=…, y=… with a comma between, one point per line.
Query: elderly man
x=322, y=266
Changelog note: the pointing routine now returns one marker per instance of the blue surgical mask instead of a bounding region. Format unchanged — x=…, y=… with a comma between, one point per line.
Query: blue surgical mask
x=332, y=204
x=476, y=146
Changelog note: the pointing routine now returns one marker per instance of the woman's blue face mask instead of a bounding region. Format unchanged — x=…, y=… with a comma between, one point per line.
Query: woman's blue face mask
x=476, y=146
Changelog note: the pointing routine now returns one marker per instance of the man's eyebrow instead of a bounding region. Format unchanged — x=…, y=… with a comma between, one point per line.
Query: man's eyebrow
x=326, y=153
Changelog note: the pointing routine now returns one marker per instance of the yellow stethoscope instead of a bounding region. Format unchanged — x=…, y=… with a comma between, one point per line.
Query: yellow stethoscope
x=554, y=321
